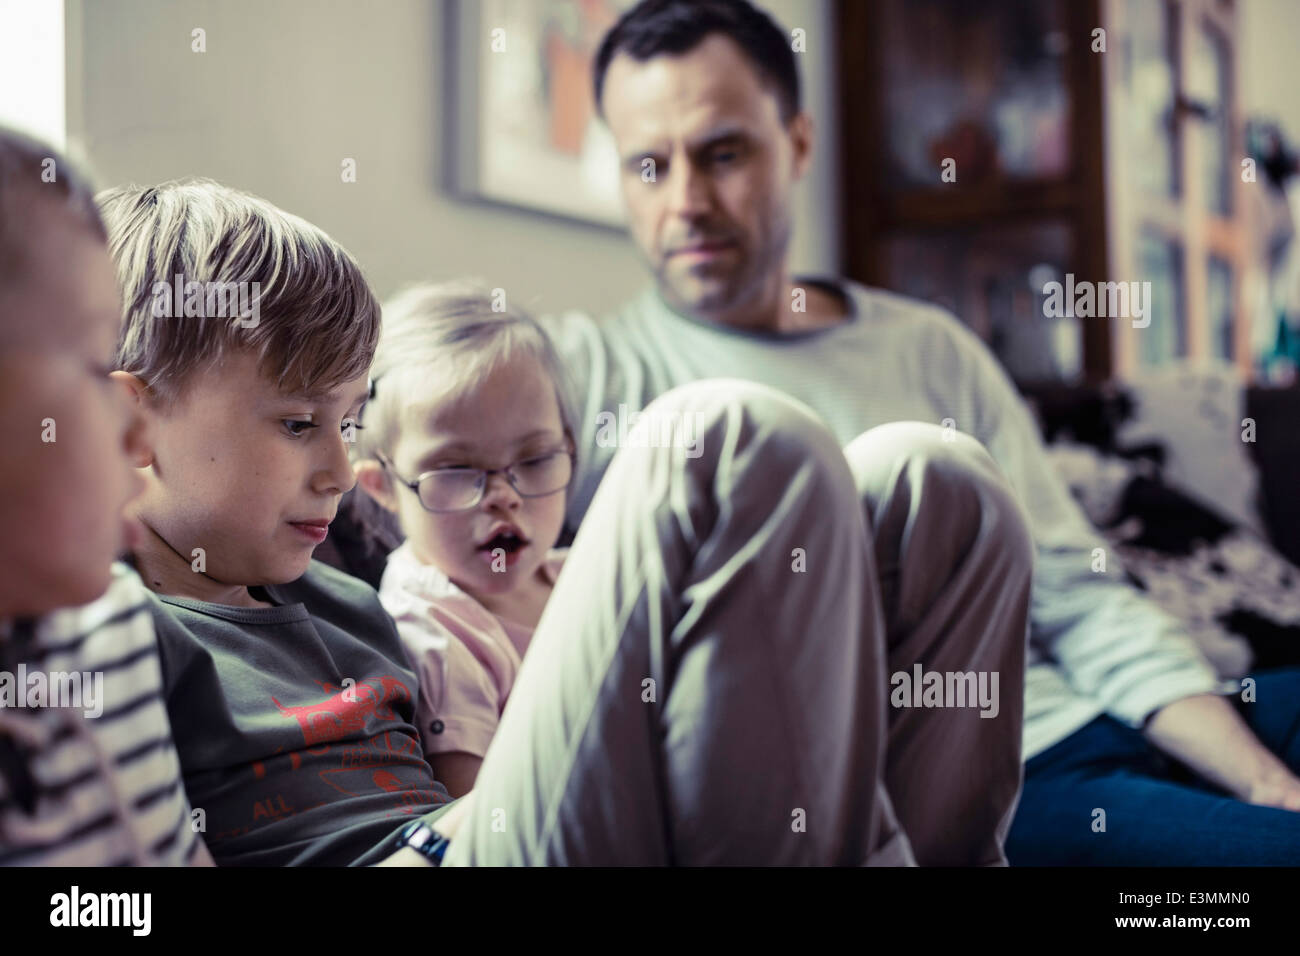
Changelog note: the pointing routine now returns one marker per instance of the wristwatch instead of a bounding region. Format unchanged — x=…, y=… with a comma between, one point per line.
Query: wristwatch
x=425, y=840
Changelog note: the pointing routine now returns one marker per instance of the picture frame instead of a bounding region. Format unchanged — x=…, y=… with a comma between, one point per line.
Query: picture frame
x=521, y=128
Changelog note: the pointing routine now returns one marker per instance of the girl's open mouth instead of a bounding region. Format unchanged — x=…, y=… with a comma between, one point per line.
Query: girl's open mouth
x=505, y=544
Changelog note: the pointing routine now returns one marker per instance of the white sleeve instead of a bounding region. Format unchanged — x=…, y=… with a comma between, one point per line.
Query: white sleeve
x=1108, y=640
x=587, y=361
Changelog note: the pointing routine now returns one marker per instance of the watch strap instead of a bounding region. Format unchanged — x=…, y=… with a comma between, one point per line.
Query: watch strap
x=425, y=840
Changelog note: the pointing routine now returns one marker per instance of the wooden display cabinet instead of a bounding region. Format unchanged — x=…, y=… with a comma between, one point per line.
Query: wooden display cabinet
x=1119, y=164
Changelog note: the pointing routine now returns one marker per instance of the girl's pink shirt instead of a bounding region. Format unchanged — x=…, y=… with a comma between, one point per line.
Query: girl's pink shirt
x=467, y=659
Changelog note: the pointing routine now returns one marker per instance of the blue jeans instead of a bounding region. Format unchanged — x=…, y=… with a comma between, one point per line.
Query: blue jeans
x=1157, y=812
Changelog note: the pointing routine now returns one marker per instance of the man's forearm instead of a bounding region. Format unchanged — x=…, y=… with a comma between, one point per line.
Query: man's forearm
x=1204, y=732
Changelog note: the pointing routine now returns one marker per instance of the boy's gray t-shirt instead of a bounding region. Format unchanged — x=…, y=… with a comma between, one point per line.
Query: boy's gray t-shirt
x=294, y=723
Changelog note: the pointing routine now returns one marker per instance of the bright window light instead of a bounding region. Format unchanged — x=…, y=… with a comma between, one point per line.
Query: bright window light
x=32, y=68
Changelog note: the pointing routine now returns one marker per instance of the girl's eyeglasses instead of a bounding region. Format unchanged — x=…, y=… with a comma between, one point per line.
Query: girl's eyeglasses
x=446, y=490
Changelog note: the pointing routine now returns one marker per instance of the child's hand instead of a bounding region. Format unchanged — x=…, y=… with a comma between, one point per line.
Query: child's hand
x=450, y=822
x=447, y=825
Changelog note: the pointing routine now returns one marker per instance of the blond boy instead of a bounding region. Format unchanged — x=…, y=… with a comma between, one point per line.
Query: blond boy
x=290, y=698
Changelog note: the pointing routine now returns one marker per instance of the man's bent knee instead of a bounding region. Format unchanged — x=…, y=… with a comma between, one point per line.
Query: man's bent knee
x=702, y=417
x=942, y=468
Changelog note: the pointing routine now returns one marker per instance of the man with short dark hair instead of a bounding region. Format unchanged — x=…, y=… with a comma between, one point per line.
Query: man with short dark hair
x=703, y=100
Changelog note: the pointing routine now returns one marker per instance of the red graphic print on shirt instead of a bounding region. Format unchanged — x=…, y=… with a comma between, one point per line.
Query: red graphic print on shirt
x=344, y=713
x=360, y=757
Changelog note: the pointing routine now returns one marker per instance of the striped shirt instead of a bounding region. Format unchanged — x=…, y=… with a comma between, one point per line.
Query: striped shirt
x=1097, y=645
x=96, y=784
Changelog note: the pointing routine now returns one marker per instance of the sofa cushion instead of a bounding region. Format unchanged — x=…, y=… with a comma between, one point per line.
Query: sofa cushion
x=1238, y=598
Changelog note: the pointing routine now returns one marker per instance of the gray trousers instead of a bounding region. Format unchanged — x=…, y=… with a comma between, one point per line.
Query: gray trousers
x=715, y=677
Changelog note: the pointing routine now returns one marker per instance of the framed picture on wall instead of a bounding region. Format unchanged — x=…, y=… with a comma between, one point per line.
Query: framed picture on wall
x=521, y=123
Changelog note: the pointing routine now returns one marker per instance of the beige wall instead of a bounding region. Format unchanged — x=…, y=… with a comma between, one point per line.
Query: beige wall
x=288, y=88
x=1269, y=35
